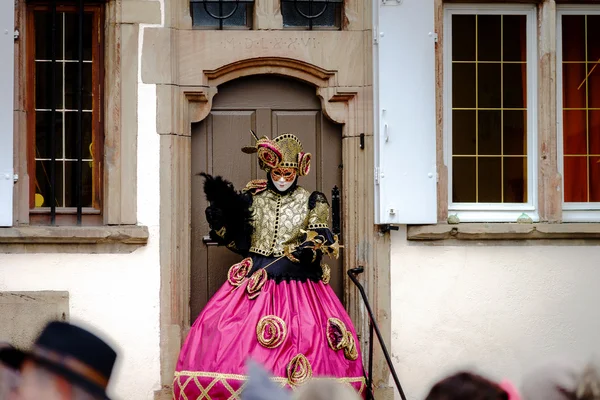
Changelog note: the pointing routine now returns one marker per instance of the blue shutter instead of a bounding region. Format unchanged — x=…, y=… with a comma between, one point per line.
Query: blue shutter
x=405, y=121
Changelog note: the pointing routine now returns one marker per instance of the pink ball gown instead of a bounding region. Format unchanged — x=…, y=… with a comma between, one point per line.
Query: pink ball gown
x=276, y=306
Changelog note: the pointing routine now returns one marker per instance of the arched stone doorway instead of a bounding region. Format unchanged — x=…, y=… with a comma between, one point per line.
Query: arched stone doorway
x=180, y=106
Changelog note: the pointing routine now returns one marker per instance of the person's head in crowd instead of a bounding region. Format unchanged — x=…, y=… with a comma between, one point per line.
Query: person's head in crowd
x=468, y=386
x=9, y=371
x=66, y=363
x=563, y=379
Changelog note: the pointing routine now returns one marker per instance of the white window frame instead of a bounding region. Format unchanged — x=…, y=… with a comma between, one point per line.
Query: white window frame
x=572, y=212
x=495, y=212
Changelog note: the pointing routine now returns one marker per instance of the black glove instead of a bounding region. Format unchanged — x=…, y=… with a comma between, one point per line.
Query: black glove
x=304, y=255
x=214, y=217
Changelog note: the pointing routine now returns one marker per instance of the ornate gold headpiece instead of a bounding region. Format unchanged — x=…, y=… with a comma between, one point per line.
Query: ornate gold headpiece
x=283, y=151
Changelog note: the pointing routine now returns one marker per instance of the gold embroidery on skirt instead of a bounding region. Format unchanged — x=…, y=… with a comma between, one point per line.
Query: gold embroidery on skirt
x=339, y=337
x=256, y=283
x=184, y=378
x=271, y=331
x=339, y=341
x=299, y=370
x=350, y=351
x=237, y=273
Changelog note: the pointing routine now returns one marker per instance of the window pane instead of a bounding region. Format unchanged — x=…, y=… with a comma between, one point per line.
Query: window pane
x=71, y=178
x=581, y=107
x=238, y=17
x=593, y=37
x=573, y=36
x=463, y=132
x=43, y=77
x=71, y=135
x=594, y=131
x=593, y=82
x=574, y=132
x=594, y=179
x=200, y=16
x=463, y=37
x=575, y=177
x=71, y=38
x=216, y=15
x=515, y=132
x=488, y=38
x=463, y=86
x=71, y=79
x=515, y=179
x=496, y=172
x=43, y=37
x=331, y=16
x=463, y=179
x=514, y=83
x=43, y=124
x=514, y=38
x=43, y=184
x=573, y=75
x=489, y=85
x=311, y=14
x=489, y=132
x=490, y=180
x=65, y=128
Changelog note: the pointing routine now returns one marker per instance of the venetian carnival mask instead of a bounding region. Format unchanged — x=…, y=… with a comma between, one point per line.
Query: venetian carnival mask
x=283, y=178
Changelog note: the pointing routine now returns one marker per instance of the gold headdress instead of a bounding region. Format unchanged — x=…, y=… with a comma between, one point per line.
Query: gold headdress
x=283, y=151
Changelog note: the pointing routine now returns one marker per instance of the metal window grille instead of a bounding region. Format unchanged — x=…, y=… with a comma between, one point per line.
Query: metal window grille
x=222, y=14
x=312, y=14
x=66, y=165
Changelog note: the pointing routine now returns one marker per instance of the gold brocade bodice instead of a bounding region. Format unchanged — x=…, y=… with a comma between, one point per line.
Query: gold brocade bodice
x=278, y=220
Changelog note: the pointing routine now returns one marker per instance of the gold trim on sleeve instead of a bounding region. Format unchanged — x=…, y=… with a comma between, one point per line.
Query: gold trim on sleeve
x=326, y=273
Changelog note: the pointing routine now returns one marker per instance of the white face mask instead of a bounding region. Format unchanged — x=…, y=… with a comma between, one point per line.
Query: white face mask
x=280, y=182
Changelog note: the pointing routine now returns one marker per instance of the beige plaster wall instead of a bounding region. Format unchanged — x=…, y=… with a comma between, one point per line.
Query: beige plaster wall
x=497, y=308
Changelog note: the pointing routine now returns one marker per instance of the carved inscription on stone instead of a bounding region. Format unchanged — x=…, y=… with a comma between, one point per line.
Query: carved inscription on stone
x=270, y=43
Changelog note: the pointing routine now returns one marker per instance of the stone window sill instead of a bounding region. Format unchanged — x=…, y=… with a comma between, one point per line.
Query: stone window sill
x=84, y=239
x=504, y=231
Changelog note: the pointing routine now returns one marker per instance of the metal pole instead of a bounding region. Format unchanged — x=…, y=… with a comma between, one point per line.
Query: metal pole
x=370, y=368
x=352, y=274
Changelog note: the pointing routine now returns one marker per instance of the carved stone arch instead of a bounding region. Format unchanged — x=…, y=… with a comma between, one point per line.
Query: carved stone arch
x=337, y=103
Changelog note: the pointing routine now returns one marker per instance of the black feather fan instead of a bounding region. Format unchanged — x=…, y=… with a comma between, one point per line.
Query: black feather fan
x=235, y=207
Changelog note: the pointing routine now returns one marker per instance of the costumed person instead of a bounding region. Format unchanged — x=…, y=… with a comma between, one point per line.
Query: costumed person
x=276, y=306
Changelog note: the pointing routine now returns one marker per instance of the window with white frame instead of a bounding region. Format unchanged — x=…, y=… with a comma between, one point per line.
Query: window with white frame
x=489, y=111
x=578, y=97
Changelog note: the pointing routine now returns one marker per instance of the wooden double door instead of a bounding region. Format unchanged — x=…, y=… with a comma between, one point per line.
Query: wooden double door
x=269, y=105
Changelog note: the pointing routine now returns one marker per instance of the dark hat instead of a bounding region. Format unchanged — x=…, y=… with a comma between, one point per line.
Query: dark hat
x=71, y=352
x=10, y=356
